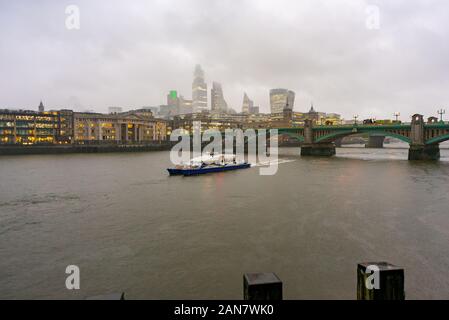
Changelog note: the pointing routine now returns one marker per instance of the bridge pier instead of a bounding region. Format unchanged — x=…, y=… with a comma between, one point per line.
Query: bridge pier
x=318, y=149
x=375, y=142
x=424, y=152
x=339, y=142
x=419, y=150
x=312, y=148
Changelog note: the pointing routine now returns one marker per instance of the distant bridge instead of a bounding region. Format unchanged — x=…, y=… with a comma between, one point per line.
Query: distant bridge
x=423, y=138
x=320, y=140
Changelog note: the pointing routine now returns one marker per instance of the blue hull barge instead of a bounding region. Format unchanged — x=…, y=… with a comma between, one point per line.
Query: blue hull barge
x=175, y=172
x=208, y=164
x=209, y=169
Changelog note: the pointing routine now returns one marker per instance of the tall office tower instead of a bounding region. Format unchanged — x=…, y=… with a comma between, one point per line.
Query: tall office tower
x=173, y=102
x=41, y=107
x=185, y=105
x=248, y=104
x=199, y=90
x=218, y=103
x=254, y=110
x=281, y=98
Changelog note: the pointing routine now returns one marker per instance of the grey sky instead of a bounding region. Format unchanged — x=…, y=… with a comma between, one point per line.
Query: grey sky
x=131, y=53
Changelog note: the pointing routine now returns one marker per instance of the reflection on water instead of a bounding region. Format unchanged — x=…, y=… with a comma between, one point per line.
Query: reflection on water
x=130, y=227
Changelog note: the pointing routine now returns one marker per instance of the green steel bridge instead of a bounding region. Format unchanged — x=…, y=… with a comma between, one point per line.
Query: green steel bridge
x=320, y=140
x=423, y=138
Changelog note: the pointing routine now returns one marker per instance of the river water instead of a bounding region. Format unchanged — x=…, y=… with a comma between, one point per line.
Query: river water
x=130, y=227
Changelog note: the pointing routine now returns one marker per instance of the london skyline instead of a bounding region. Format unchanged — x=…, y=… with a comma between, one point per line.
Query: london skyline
x=132, y=56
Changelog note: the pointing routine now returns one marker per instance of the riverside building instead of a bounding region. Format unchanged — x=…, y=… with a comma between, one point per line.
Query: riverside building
x=26, y=127
x=137, y=126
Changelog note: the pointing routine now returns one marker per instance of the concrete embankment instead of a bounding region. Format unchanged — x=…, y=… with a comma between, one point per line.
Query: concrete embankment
x=57, y=149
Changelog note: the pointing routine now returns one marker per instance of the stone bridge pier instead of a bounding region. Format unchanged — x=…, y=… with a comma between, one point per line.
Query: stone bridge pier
x=339, y=142
x=375, y=142
x=310, y=148
x=419, y=150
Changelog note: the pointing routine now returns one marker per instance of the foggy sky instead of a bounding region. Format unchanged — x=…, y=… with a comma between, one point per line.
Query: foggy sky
x=131, y=53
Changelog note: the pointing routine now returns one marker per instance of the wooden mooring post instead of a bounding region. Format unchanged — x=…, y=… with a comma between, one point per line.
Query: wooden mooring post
x=380, y=281
x=262, y=286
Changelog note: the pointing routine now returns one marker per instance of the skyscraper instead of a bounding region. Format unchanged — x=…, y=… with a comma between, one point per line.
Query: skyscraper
x=247, y=104
x=218, y=103
x=281, y=98
x=199, y=90
x=173, y=102
x=185, y=105
x=254, y=110
x=41, y=107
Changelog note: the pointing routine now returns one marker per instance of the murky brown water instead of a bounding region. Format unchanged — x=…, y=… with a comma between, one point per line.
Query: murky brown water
x=130, y=227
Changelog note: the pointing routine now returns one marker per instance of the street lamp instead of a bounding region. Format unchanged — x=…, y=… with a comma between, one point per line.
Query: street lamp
x=396, y=115
x=441, y=112
x=355, y=119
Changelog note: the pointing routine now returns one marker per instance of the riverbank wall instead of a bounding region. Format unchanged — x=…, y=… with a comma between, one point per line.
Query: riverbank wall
x=64, y=149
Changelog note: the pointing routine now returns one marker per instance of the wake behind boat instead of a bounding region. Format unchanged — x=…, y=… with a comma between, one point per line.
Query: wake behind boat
x=208, y=164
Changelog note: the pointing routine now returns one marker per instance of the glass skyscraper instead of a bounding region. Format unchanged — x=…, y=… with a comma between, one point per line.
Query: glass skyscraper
x=199, y=91
x=218, y=103
x=281, y=98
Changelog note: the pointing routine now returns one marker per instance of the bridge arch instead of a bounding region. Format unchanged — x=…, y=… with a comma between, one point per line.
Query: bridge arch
x=438, y=139
x=341, y=134
x=281, y=132
x=296, y=136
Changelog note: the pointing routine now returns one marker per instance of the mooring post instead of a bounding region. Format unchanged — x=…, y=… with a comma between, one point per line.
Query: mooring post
x=380, y=281
x=262, y=286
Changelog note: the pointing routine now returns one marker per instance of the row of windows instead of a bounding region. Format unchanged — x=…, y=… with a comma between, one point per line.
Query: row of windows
x=36, y=118
x=23, y=124
x=27, y=140
x=7, y=117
